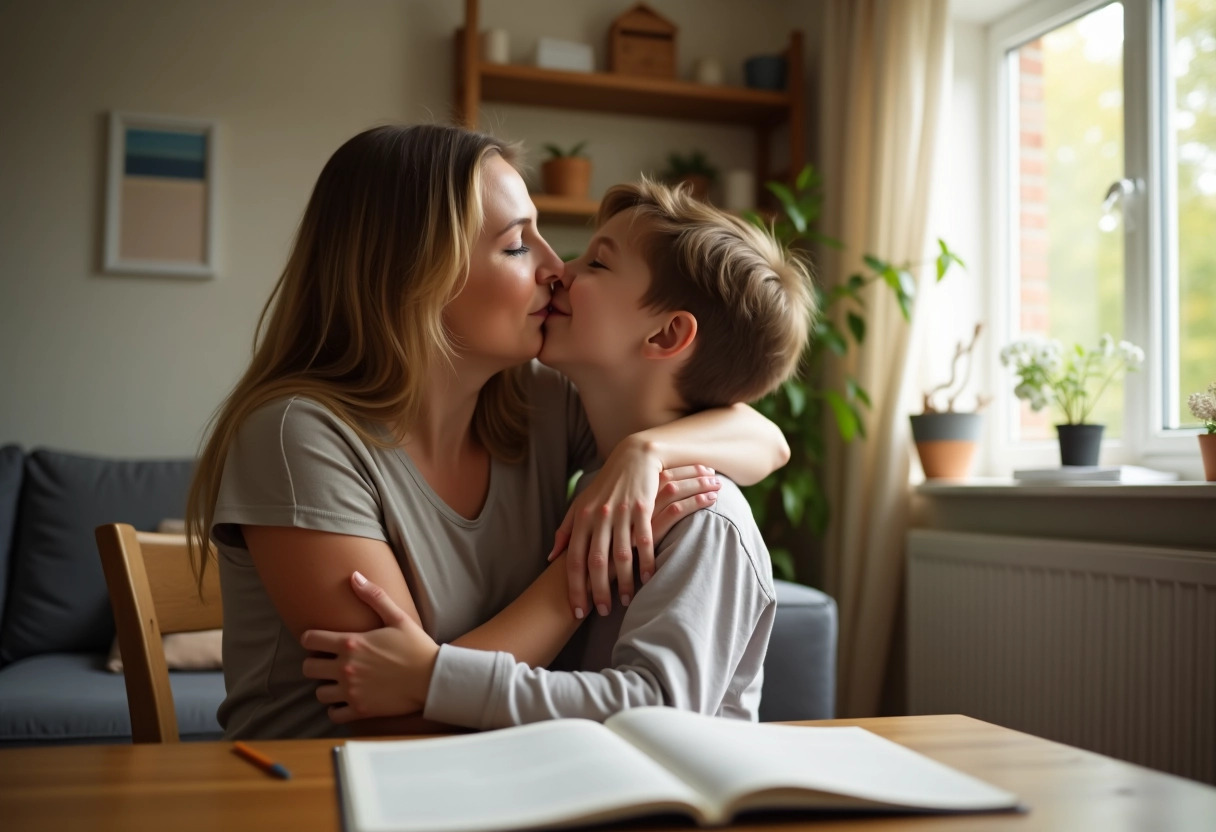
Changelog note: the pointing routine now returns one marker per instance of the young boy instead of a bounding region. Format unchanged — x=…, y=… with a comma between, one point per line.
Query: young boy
x=674, y=307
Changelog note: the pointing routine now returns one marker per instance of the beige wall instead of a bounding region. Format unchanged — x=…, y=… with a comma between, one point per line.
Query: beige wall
x=134, y=365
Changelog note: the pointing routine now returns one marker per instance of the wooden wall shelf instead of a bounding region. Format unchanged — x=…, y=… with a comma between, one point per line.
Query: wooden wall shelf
x=611, y=93
x=567, y=210
x=564, y=208
x=760, y=110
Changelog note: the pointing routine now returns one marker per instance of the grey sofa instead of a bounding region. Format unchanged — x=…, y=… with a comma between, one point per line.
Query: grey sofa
x=57, y=626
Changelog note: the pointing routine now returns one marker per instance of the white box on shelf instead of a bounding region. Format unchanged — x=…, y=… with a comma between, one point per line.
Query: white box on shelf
x=568, y=55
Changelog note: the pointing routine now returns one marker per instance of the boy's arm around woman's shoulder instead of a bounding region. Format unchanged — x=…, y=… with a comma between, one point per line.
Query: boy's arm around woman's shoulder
x=694, y=637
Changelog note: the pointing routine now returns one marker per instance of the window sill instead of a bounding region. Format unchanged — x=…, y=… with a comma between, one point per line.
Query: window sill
x=1177, y=514
x=999, y=487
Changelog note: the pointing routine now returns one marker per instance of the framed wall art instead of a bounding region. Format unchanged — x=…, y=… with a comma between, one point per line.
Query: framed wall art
x=160, y=196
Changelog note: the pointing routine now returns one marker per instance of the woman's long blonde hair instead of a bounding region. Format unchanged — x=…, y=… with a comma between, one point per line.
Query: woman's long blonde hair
x=355, y=320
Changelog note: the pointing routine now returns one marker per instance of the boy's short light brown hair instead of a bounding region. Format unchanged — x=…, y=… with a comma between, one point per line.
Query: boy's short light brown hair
x=752, y=300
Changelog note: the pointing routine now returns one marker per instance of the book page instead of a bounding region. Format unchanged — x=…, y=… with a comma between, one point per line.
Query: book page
x=829, y=767
x=524, y=777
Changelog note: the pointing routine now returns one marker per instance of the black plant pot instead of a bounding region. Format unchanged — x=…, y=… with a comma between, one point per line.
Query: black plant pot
x=1080, y=444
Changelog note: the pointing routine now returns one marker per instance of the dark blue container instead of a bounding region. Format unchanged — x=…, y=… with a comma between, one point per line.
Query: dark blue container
x=765, y=72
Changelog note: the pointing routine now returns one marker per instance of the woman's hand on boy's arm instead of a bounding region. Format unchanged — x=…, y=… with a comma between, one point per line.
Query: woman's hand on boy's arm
x=387, y=672
x=625, y=507
x=613, y=515
x=681, y=492
x=381, y=672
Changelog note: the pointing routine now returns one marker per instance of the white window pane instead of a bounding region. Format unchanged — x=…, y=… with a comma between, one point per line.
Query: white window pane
x=1069, y=151
x=1192, y=70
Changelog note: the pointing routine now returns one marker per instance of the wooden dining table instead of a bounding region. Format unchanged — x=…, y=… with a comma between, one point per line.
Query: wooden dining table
x=204, y=785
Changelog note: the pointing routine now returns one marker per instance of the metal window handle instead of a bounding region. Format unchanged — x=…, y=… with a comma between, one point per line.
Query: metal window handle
x=1115, y=204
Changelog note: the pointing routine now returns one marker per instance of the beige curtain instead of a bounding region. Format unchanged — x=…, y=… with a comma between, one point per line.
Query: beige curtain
x=883, y=82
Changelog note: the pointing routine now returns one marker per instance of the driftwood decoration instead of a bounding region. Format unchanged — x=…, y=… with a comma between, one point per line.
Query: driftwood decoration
x=961, y=351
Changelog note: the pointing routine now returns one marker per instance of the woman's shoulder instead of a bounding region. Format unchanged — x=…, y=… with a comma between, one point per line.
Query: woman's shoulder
x=294, y=419
x=291, y=457
x=546, y=385
x=557, y=416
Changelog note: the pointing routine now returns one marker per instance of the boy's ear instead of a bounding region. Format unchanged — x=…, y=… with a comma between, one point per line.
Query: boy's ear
x=673, y=338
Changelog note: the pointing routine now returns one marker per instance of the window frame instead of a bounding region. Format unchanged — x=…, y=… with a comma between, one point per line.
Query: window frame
x=1150, y=236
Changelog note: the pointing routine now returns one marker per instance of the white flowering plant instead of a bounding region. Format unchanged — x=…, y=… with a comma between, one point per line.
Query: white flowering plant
x=1203, y=407
x=1074, y=380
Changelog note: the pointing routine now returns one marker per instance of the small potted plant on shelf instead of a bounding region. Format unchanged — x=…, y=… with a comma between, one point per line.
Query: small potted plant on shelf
x=1203, y=408
x=1074, y=381
x=946, y=439
x=694, y=169
x=566, y=172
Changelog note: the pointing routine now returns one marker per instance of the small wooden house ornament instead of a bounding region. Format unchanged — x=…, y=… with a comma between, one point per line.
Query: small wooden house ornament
x=642, y=42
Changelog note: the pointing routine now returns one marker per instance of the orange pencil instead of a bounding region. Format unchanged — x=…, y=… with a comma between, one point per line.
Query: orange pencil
x=261, y=761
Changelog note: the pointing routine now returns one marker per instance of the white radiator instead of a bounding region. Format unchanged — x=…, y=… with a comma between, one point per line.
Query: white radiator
x=1107, y=647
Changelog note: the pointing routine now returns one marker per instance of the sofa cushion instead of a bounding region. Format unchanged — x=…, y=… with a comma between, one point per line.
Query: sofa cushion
x=57, y=593
x=12, y=462
x=71, y=697
x=800, y=666
x=197, y=650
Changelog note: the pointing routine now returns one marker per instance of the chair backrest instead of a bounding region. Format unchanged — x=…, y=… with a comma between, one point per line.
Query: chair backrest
x=153, y=592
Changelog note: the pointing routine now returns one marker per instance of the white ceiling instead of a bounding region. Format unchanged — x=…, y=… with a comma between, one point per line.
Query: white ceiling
x=982, y=11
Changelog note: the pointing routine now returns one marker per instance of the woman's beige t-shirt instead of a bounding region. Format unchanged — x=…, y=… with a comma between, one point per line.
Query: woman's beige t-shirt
x=293, y=463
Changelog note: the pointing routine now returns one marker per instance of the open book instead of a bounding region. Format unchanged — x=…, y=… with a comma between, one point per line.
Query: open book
x=640, y=762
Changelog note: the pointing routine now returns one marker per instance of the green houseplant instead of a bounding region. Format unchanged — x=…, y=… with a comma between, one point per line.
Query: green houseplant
x=1203, y=408
x=791, y=505
x=1074, y=380
x=567, y=172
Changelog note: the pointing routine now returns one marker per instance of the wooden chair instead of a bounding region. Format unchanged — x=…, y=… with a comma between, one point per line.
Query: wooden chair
x=153, y=593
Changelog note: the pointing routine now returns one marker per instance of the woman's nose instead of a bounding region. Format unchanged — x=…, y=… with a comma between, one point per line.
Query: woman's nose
x=550, y=269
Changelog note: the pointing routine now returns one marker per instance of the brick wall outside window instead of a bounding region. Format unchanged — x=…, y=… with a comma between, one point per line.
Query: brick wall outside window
x=1034, y=278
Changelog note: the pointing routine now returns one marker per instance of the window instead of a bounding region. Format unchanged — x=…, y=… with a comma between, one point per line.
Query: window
x=1070, y=275
x=1190, y=176
x=1106, y=201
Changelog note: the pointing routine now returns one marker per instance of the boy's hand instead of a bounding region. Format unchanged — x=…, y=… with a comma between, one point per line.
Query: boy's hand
x=384, y=672
x=631, y=503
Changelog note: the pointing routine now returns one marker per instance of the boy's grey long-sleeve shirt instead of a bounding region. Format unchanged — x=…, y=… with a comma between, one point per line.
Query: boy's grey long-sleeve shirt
x=694, y=637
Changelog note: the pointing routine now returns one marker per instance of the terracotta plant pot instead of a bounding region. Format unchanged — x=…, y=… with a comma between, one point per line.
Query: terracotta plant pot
x=567, y=176
x=946, y=443
x=1207, y=449
x=1080, y=444
x=698, y=185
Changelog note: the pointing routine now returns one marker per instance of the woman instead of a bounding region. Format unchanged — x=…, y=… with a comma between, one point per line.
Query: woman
x=392, y=423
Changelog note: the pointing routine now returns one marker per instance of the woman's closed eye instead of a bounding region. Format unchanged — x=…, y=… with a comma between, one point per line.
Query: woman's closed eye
x=517, y=252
